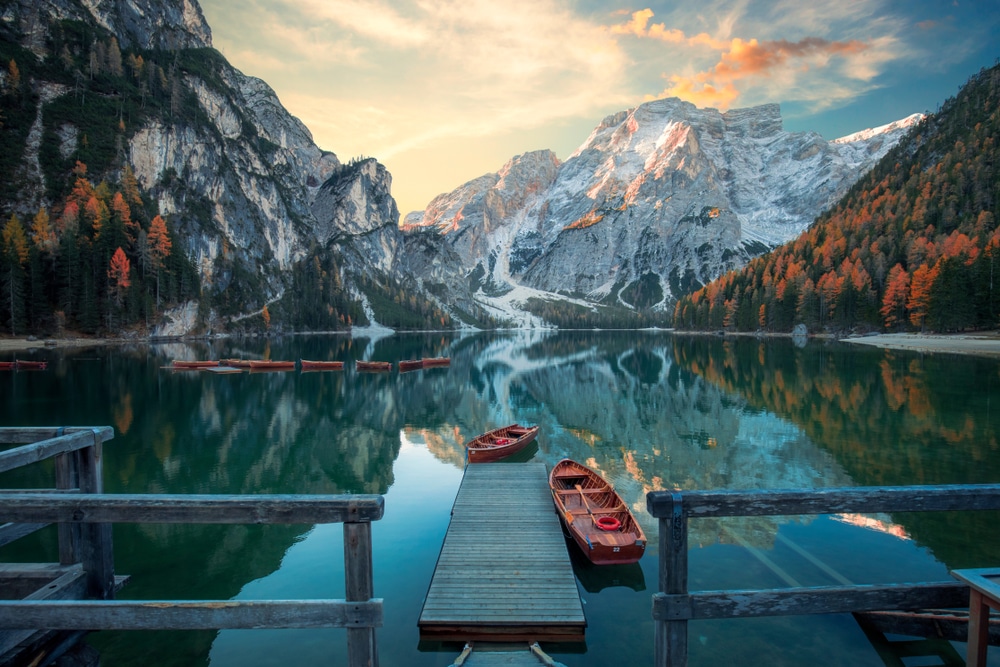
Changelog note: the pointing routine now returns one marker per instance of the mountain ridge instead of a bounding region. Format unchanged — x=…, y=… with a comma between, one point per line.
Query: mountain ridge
x=658, y=199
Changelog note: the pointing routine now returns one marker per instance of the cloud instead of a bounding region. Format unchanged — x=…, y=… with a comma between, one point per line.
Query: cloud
x=722, y=70
x=433, y=69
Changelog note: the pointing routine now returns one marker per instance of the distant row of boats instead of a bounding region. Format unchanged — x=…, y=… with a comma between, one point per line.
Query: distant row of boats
x=22, y=365
x=307, y=365
x=592, y=512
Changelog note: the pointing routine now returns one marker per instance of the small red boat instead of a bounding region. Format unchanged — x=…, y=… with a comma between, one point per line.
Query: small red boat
x=23, y=365
x=192, y=365
x=7, y=365
x=373, y=365
x=436, y=361
x=410, y=365
x=499, y=443
x=256, y=365
x=595, y=516
x=321, y=365
x=235, y=363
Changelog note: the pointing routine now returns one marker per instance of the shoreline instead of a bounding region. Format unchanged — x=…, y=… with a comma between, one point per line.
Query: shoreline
x=981, y=343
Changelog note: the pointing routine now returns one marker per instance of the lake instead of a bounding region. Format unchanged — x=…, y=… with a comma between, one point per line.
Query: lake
x=648, y=409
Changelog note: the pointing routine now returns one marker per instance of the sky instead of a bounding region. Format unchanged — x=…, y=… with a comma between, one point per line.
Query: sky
x=444, y=91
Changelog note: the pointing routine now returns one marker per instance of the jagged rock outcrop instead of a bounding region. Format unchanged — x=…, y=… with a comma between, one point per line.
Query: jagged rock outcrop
x=242, y=182
x=663, y=193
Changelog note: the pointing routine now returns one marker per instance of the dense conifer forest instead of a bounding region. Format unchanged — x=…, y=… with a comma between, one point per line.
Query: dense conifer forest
x=913, y=246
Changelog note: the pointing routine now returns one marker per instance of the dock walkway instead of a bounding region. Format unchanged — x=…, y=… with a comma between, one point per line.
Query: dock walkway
x=504, y=572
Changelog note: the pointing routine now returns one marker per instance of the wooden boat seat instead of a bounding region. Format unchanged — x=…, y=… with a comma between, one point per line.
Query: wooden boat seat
x=571, y=492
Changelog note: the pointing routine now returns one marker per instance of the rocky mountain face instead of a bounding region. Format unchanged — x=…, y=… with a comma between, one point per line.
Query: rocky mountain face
x=243, y=184
x=658, y=200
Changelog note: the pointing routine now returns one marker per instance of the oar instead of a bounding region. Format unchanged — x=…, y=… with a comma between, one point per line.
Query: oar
x=583, y=497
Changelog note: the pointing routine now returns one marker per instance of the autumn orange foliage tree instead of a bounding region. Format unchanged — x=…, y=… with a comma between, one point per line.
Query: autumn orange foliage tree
x=913, y=243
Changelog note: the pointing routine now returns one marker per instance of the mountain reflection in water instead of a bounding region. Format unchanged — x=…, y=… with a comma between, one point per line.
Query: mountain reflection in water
x=646, y=409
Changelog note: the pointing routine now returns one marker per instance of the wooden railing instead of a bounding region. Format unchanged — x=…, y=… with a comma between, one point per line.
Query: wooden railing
x=674, y=605
x=86, y=568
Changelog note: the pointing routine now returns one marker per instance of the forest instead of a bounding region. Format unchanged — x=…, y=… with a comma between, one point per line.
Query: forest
x=913, y=246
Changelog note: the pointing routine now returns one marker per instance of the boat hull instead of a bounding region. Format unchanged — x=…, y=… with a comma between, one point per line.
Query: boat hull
x=272, y=365
x=188, y=365
x=499, y=443
x=584, y=501
x=383, y=366
x=321, y=365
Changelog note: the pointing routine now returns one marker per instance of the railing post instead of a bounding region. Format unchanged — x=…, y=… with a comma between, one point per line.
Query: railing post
x=361, y=649
x=68, y=477
x=671, y=635
x=96, y=551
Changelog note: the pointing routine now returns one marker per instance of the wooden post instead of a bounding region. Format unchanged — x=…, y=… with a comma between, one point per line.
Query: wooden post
x=671, y=635
x=361, y=649
x=979, y=624
x=96, y=551
x=68, y=477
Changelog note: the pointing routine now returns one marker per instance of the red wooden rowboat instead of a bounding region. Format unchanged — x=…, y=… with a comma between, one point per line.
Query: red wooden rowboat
x=189, y=365
x=374, y=365
x=321, y=365
x=410, y=365
x=23, y=365
x=436, y=361
x=499, y=443
x=256, y=365
x=7, y=365
x=595, y=516
x=235, y=363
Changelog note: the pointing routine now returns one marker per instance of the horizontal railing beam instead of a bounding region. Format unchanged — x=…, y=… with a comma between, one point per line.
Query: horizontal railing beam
x=701, y=504
x=25, y=435
x=214, y=509
x=190, y=614
x=818, y=600
x=74, y=439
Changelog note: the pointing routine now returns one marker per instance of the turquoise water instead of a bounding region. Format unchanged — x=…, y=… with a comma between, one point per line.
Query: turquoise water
x=649, y=410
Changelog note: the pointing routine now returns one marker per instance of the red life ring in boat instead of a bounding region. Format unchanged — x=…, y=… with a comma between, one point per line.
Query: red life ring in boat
x=608, y=523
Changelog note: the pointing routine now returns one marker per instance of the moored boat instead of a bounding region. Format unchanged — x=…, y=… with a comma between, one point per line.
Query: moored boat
x=307, y=365
x=373, y=365
x=410, y=365
x=256, y=365
x=499, y=443
x=595, y=516
x=436, y=361
x=7, y=365
x=235, y=363
x=190, y=365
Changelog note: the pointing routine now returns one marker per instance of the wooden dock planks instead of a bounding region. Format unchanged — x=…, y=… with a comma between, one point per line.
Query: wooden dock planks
x=504, y=571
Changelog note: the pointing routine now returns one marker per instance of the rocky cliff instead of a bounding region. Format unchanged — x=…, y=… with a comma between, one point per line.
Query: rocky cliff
x=240, y=180
x=658, y=200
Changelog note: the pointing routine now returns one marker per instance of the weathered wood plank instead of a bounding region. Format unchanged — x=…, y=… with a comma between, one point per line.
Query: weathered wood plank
x=39, y=451
x=27, y=435
x=829, y=501
x=796, y=601
x=504, y=567
x=68, y=477
x=190, y=614
x=139, y=508
x=10, y=532
x=361, y=649
x=72, y=583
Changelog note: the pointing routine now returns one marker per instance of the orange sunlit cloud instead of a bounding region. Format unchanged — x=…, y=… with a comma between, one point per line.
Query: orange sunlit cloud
x=739, y=59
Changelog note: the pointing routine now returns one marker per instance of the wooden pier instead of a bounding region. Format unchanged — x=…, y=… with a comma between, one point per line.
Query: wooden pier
x=504, y=572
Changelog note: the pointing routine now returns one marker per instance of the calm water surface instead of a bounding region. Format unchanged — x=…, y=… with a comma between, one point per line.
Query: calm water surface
x=647, y=409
